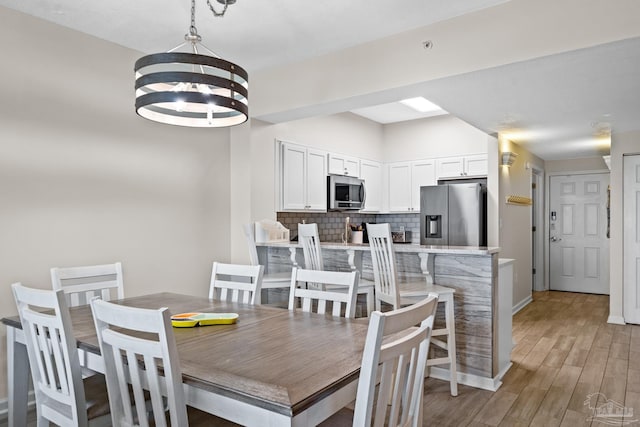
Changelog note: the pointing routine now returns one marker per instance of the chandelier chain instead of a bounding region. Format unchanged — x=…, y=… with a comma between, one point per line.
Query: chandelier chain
x=193, y=31
x=215, y=12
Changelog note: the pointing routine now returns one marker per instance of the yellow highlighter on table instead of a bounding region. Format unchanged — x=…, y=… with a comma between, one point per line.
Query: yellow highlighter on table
x=190, y=320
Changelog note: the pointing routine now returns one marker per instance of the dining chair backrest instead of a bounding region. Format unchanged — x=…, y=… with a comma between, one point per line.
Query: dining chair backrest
x=53, y=356
x=236, y=283
x=310, y=240
x=250, y=235
x=148, y=363
x=383, y=260
x=81, y=284
x=390, y=386
x=341, y=292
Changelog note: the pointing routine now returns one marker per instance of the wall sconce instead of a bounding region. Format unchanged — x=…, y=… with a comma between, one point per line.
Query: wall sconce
x=508, y=158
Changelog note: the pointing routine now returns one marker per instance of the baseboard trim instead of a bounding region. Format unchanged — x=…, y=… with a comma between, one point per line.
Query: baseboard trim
x=4, y=406
x=616, y=320
x=491, y=384
x=522, y=304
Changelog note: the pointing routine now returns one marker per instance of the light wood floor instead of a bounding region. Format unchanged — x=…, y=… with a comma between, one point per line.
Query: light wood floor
x=564, y=352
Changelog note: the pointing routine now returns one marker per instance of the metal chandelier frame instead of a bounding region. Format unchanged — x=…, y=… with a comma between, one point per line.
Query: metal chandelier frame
x=191, y=88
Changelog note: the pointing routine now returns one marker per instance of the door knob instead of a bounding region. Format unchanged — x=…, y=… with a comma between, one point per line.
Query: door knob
x=555, y=239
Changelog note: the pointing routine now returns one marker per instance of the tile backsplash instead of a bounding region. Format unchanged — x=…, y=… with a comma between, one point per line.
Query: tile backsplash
x=331, y=224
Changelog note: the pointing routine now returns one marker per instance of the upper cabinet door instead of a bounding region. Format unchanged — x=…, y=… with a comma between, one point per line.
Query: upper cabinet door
x=400, y=187
x=344, y=165
x=294, y=172
x=450, y=167
x=371, y=173
x=304, y=178
x=476, y=165
x=423, y=172
x=316, y=180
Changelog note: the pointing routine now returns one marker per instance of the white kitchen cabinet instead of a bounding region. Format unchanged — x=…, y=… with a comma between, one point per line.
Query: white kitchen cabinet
x=462, y=166
x=304, y=178
x=476, y=165
x=344, y=165
x=405, y=180
x=423, y=172
x=371, y=173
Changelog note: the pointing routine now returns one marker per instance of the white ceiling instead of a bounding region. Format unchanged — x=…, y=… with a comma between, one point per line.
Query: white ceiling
x=555, y=103
x=255, y=34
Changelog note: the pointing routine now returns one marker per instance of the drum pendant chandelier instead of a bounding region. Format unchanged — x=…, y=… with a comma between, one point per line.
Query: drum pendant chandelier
x=190, y=88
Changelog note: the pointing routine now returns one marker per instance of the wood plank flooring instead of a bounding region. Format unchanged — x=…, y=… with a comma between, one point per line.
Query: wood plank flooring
x=566, y=361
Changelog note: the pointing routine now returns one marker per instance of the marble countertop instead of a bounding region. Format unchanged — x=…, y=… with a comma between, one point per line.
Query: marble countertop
x=399, y=247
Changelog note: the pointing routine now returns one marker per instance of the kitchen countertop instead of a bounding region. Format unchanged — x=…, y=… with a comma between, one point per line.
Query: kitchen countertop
x=399, y=247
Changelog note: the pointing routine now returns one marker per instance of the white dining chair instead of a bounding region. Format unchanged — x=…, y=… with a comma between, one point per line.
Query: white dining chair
x=61, y=395
x=81, y=284
x=336, y=287
x=269, y=280
x=309, y=239
x=391, y=382
x=148, y=363
x=236, y=283
x=396, y=294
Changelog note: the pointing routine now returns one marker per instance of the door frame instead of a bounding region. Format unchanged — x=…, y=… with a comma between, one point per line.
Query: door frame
x=547, y=213
x=539, y=260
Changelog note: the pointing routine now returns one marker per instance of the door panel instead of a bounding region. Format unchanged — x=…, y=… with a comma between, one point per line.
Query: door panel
x=568, y=260
x=567, y=221
x=591, y=262
x=578, y=246
x=631, y=170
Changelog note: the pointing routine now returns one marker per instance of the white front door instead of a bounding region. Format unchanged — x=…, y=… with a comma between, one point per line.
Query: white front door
x=578, y=243
x=631, y=227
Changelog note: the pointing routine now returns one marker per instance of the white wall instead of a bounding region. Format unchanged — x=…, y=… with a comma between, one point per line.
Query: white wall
x=621, y=144
x=575, y=165
x=515, y=221
x=84, y=180
x=439, y=136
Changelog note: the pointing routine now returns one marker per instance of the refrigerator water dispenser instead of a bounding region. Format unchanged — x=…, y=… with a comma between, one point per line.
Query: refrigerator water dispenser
x=434, y=226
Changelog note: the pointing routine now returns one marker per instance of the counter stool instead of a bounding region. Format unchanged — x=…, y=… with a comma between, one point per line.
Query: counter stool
x=269, y=280
x=310, y=241
x=445, y=296
x=387, y=290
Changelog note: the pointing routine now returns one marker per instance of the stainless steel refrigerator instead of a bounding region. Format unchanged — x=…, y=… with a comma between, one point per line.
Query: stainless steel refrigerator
x=453, y=215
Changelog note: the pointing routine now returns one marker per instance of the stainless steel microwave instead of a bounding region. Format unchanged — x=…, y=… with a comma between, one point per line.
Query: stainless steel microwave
x=345, y=193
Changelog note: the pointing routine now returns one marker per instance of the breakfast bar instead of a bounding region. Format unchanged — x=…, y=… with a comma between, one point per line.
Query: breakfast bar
x=483, y=348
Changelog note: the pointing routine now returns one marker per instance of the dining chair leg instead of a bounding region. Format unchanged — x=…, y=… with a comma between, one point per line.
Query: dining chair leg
x=370, y=301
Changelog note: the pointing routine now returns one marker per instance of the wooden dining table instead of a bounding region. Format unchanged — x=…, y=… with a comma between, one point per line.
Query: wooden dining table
x=272, y=367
